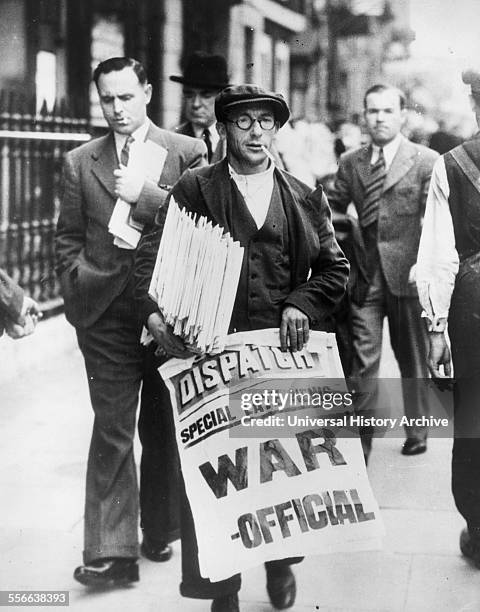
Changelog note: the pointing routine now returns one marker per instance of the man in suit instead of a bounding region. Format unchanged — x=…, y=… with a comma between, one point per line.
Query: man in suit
x=18, y=313
x=388, y=183
x=293, y=273
x=204, y=77
x=95, y=270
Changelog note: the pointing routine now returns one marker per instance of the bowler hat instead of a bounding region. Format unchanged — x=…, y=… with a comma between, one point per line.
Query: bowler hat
x=471, y=77
x=237, y=95
x=204, y=70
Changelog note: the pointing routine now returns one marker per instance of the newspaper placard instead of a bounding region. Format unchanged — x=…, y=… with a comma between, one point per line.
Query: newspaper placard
x=264, y=497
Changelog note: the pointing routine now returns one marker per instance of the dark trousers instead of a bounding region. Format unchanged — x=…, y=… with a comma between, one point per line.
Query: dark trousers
x=113, y=361
x=193, y=585
x=409, y=343
x=159, y=467
x=466, y=450
x=464, y=331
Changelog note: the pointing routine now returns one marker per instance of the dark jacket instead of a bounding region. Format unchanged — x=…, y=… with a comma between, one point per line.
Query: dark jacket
x=220, y=150
x=319, y=270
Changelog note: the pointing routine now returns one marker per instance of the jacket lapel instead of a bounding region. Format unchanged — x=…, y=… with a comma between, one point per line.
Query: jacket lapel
x=216, y=193
x=104, y=163
x=156, y=135
x=363, y=165
x=401, y=164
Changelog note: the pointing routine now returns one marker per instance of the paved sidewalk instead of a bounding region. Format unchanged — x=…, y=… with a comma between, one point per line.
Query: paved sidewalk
x=45, y=423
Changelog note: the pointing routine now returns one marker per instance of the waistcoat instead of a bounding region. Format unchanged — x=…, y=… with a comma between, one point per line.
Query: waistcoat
x=265, y=277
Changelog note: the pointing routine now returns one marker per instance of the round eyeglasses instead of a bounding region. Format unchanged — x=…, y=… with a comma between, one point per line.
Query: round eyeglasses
x=245, y=122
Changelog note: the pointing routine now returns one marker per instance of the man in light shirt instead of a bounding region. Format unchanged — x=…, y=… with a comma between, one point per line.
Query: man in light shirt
x=95, y=270
x=293, y=273
x=387, y=182
x=448, y=279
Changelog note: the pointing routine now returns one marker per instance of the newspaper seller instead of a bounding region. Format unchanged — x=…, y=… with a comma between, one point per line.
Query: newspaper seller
x=292, y=277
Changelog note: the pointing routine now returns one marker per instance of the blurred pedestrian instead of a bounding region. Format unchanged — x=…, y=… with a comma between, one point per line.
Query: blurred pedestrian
x=95, y=271
x=205, y=75
x=448, y=278
x=18, y=313
x=388, y=183
x=442, y=140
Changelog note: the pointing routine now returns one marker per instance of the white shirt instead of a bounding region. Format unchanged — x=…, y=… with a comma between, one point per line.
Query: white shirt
x=437, y=262
x=256, y=190
x=389, y=151
x=214, y=137
x=139, y=136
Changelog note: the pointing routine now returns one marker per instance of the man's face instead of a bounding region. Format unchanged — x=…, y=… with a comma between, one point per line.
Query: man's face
x=245, y=146
x=200, y=106
x=123, y=100
x=383, y=116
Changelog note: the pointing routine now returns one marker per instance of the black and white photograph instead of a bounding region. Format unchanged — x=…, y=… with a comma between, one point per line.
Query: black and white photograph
x=240, y=305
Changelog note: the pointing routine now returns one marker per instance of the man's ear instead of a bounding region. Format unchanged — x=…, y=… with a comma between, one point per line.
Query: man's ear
x=148, y=92
x=222, y=132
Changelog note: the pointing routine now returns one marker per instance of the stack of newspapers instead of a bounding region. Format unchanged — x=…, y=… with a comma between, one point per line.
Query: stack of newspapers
x=195, y=279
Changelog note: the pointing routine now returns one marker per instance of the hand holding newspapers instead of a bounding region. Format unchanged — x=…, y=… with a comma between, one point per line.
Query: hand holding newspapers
x=195, y=279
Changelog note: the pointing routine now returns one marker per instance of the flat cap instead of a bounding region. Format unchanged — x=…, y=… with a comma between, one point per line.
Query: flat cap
x=240, y=95
x=471, y=77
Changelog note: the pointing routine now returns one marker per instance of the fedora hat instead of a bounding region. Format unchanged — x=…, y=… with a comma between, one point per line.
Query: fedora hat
x=204, y=70
x=241, y=95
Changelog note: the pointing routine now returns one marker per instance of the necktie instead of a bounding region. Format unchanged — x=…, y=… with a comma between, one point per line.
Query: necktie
x=125, y=152
x=208, y=142
x=373, y=191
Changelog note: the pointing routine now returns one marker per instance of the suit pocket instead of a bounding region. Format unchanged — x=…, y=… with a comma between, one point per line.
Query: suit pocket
x=68, y=280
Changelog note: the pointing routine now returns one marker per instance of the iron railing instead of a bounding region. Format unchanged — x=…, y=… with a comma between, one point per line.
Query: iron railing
x=32, y=146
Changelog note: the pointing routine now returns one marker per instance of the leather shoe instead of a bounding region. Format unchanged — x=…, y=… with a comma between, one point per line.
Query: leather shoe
x=281, y=586
x=107, y=572
x=155, y=552
x=227, y=603
x=414, y=446
x=470, y=547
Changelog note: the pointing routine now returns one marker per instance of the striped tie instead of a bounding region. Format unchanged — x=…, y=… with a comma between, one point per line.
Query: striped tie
x=125, y=152
x=373, y=191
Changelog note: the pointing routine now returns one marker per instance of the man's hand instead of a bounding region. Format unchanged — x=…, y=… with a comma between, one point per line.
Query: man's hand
x=294, y=326
x=30, y=307
x=439, y=355
x=128, y=184
x=26, y=322
x=162, y=333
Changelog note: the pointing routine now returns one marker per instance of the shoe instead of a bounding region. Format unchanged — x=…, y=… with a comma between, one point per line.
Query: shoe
x=227, y=603
x=470, y=547
x=281, y=586
x=155, y=552
x=414, y=446
x=107, y=572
